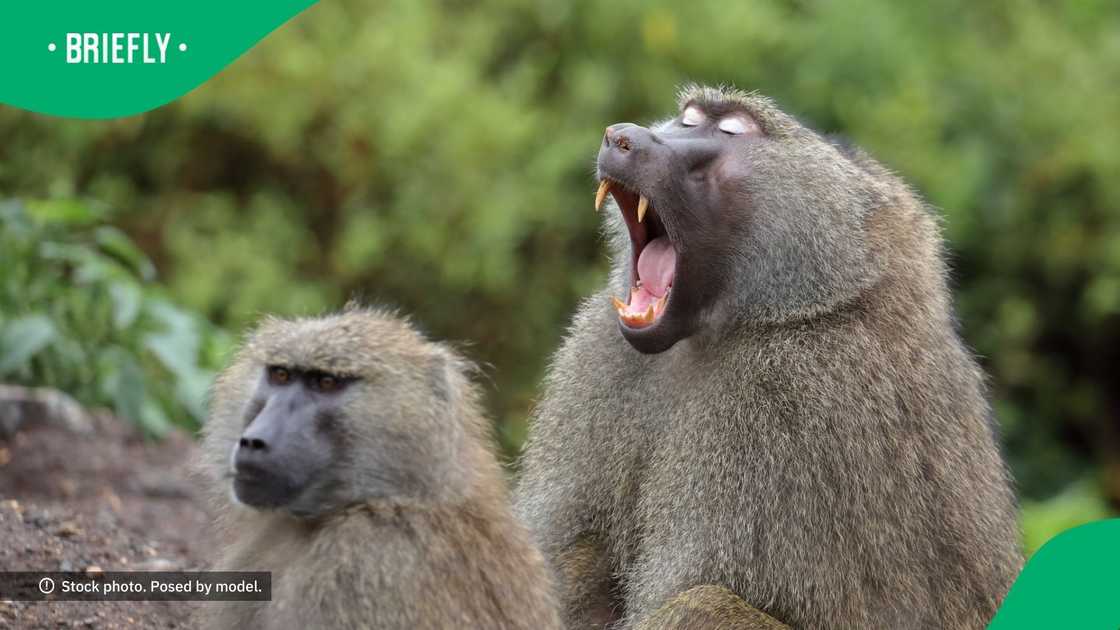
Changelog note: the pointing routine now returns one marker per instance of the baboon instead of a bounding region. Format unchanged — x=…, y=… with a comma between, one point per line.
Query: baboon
x=770, y=396
x=361, y=474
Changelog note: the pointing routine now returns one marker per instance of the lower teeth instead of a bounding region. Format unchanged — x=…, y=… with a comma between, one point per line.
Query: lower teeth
x=637, y=317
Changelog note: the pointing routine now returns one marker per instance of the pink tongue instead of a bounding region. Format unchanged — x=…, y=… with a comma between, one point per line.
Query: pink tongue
x=656, y=265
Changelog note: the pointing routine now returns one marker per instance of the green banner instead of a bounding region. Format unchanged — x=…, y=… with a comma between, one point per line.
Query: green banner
x=1072, y=582
x=84, y=59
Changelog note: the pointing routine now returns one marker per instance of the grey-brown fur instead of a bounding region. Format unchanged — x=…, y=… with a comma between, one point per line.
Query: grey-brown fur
x=822, y=447
x=422, y=535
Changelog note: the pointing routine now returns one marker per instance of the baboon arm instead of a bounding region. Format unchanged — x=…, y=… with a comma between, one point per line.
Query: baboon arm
x=588, y=589
x=709, y=607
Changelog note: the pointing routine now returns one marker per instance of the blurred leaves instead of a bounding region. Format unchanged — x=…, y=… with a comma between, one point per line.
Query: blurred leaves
x=78, y=312
x=22, y=338
x=437, y=155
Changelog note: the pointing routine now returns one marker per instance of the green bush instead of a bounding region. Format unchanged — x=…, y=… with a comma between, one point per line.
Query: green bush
x=79, y=312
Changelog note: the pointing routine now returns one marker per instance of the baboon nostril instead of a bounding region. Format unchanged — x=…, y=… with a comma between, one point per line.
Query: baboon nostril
x=253, y=444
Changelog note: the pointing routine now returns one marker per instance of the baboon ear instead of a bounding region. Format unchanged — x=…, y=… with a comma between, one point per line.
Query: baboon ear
x=439, y=378
x=446, y=372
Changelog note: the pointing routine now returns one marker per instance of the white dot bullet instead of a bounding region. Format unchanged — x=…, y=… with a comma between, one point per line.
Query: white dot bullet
x=182, y=48
x=51, y=47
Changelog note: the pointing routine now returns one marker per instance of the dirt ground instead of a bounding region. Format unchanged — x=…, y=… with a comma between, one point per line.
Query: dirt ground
x=105, y=499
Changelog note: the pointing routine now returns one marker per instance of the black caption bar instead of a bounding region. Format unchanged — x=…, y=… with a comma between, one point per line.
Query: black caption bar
x=136, y=586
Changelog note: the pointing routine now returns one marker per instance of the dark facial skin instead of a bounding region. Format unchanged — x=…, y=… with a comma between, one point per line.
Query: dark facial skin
x=285, y=455
x=694, y=170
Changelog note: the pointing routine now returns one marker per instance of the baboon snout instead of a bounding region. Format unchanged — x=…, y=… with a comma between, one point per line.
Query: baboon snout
x=627, y=152
x=284, y=445
x=251, y=456
x=257, y=443
x=262, y=443
x=632, y=152
x=627, y=137
x=267, y=471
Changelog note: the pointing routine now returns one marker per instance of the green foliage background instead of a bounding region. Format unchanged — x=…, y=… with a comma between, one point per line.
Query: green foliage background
x=79, y=311
x=438, y=155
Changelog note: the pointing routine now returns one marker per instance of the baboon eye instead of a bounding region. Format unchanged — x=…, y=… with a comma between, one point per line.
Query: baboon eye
x=326, y=383
x=735, y=125
x=692, y=116
x=278, y=375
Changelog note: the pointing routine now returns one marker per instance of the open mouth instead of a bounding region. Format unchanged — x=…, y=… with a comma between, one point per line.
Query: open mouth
x=653, y=256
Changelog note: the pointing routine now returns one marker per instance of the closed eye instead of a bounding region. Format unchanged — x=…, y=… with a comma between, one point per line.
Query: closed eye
x=740, y=123
x=733, y=125
x=692, y=116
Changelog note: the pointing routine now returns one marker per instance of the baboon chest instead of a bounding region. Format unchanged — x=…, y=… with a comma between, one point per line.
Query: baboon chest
x=680, y=430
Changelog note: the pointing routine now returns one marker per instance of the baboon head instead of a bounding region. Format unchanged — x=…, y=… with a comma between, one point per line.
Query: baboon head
x=317, y=414
x=735, y=213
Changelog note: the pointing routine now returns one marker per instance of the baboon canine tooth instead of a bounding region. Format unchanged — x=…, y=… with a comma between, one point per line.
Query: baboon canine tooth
x=601, y=194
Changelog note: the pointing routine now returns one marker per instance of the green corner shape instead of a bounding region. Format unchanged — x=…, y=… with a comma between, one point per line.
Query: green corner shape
x=1073, y=582
x=44, y=71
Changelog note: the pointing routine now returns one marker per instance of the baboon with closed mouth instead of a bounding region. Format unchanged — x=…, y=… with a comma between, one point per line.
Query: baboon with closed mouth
x=361, y=474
